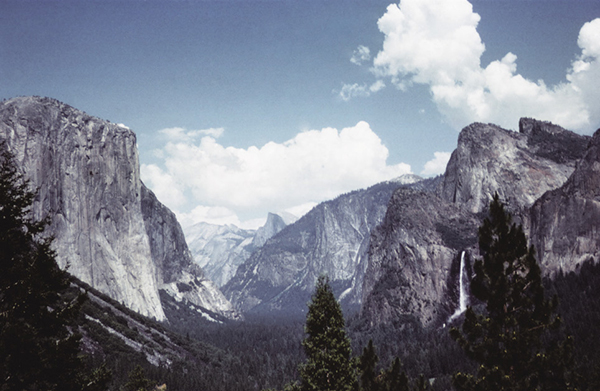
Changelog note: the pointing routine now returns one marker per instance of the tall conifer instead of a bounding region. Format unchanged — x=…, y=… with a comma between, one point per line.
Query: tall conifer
x=368, y=367
x=37, y=350
x=329, y=365
x=395, y=378
x=512, y=338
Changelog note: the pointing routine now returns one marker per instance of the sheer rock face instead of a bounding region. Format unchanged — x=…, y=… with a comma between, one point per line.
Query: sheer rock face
x=565, y=223
x=86, y=171
x=166, y=239
x=177, y=274
x=272, y=227
x=331, y=239
x=519, y=166
x=411, y=256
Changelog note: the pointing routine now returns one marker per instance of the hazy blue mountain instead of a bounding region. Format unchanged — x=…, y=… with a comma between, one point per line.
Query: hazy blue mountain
x=221, y=249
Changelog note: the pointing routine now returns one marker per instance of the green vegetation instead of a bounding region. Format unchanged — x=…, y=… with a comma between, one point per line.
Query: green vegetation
x=579, y=307
x=329, y=364
x=138, y=381
x=514, y=339
x=37, y=309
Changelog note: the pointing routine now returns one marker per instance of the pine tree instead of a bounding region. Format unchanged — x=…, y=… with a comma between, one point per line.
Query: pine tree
x=138, y=381
x=37, y=350
x=367, y=367
x=513, y=339
x=329, y=365
x=395, y=378
x=421, y=384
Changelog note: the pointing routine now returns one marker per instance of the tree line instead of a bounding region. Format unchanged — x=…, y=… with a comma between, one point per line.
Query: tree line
x=514, y=335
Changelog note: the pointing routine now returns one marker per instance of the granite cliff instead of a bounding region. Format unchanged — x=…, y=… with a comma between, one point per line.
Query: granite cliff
x=415, y=254
x=565, y=222
x=414, y=257
x=110, y=230
x=519, y=166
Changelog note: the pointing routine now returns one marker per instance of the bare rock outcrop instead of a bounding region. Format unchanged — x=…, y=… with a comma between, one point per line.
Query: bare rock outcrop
x=565, y=223
x=411, y=256
x=519, y=166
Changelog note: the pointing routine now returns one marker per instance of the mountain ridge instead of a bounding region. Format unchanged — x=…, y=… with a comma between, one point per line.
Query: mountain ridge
x=380, y=246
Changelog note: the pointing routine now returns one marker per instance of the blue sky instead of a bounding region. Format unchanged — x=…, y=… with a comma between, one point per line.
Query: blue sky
x=245, y=107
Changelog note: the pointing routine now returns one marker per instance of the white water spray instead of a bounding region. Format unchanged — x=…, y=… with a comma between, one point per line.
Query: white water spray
x=463, y=299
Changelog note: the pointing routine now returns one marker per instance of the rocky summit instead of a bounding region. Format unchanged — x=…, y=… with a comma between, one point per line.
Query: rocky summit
x=110, y=231
x=519, y=166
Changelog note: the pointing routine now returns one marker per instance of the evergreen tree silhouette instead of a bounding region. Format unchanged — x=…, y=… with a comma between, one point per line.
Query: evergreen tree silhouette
x=514, y=339
x=367, y=367
x=329, y=365
x=37, y=349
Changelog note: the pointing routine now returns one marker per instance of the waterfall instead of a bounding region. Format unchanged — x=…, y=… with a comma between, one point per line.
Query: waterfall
x=463, y=281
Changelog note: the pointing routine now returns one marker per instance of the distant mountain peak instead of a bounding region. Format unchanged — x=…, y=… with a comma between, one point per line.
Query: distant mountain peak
x=220, y=249
x=407, y=179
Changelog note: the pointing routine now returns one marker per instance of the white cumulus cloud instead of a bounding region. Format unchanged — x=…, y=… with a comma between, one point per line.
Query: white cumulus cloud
x=164, y=185
x=195, y=177
x=436, y=43
x=209, y=214
x=437, y=165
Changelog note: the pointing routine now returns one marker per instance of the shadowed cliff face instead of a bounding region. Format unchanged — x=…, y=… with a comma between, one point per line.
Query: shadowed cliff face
x=411, y=256
x=565, y=223
x=109, y=230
